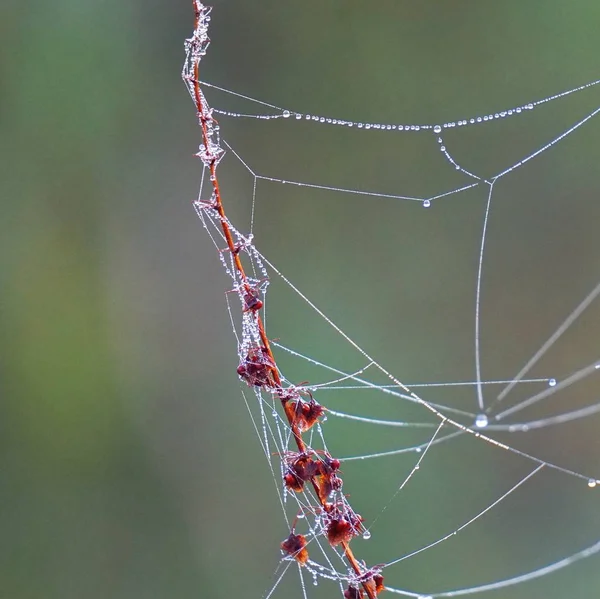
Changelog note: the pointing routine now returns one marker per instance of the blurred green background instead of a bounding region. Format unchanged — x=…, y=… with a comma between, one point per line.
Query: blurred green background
x=128, y=464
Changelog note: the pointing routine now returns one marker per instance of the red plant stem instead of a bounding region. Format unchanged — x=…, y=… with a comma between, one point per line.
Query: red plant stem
x=218, y=205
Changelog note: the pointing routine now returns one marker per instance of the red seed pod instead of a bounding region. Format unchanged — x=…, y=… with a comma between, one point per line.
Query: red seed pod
x=303, y=414
x=371, y=580
x=257, y=368
x=343, y=524
x=295, y=546
x=353, y=592
x=339, y=531
x=327, y=485
x=252, y=301
x=378, y=582
x=293, y=483
x=300, y=468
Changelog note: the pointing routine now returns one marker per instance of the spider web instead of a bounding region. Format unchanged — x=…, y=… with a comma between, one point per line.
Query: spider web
x=447, y=320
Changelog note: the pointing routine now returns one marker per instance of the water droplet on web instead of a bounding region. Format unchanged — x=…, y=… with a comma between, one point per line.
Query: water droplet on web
x=551, y=382
x=457, y=167
x=481, y=421
x=298, y=116
x=366, y=535
x=437, y=129
x=442, y=148
x=286, y=114
x=300, y=515
x=426, y=203
x=418, y=449
x=592, y=483
x=530, y=106
x=274, y=413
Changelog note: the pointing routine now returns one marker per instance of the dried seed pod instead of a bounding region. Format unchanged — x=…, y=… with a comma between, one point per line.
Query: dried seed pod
x=303, y=414
x=256, y=369
x=295, y=546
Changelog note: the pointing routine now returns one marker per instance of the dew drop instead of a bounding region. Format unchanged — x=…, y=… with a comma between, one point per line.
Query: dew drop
x=418, y=449
x=286, y=114
x=551, y=382
x=274, y=413
x=530, y=106
x=481, y=421
x=426, y=203
x=300, y=515
x=442, y=148
x=457, y=167
x=298, y=116
x=592, y=483
x=366, y=535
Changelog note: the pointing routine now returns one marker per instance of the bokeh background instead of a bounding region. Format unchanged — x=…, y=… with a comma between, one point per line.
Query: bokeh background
x=128, y=464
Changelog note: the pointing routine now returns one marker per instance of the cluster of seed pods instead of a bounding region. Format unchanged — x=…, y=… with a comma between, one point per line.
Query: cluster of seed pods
x=258, y=368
